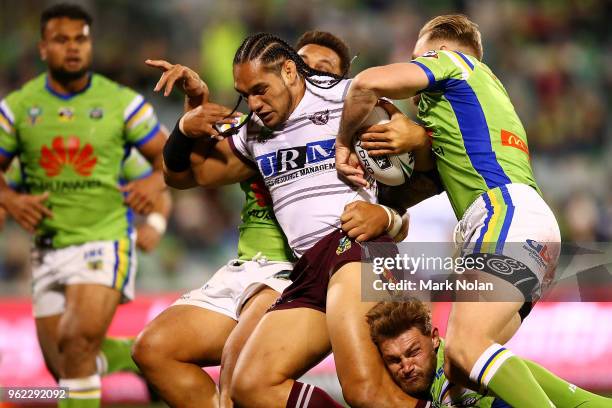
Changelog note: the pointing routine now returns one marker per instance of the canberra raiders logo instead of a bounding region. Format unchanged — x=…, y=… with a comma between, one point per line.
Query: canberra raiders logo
x=96, y=113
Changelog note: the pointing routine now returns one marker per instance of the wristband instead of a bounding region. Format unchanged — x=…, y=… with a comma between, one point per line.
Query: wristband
x=389, y=216
x=396, y=226
x=395, y=221
x=177, y=150
x=403, y=233
x=158, y=222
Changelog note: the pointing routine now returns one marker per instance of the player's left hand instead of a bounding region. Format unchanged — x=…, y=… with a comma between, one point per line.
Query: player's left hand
x=400, y=135
x=364, y=221
x=147, y=237
x=194, y=88
x=143, y=193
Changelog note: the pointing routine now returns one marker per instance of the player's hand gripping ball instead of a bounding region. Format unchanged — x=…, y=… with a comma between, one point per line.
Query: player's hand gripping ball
x=391, y=170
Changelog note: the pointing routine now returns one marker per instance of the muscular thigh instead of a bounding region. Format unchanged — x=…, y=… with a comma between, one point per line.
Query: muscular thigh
x=285, y=344
x=355, y=353
x=189, y=334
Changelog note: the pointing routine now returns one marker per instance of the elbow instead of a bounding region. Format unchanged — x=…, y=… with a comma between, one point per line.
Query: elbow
x=179, y=181
x=203, y=180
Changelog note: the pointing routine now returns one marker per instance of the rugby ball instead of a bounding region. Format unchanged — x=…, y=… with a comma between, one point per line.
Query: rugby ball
x=392, y=170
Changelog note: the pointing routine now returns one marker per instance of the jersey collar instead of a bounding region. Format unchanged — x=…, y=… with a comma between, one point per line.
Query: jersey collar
x=67, y=96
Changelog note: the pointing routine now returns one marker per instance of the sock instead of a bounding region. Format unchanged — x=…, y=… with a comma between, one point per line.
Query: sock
x=308, y=396
x=564, y=394
x=508, y=377
x=82, y=392
x=116, y=355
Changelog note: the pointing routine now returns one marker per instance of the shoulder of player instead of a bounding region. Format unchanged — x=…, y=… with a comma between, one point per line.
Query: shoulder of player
x=13, y=103
x=30, y=88
x=334, y=93
x=119, y=90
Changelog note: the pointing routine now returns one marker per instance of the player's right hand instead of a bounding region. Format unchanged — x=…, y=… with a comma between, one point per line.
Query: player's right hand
x=189, y=81
x=199, y=122
x=364, y=221
x=399, y=135
x=27, y=210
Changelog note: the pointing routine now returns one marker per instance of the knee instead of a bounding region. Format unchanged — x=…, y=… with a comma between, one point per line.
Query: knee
x=244, y=388
x=150, y=347
x=78, y=343
x=249, y=386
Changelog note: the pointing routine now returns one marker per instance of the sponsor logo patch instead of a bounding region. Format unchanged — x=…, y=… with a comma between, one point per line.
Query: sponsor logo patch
x=96, y=113
x=34, y=115
x=343, y=245
x=511, y=140
x=298, y=157
x=67, y=152
x=538, y=251
x=66, y=114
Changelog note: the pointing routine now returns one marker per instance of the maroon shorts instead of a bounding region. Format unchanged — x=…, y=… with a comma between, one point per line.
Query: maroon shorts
x=311, y=274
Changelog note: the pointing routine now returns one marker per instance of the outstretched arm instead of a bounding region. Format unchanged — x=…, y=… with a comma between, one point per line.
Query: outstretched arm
x=192, y=156
x=396, y=81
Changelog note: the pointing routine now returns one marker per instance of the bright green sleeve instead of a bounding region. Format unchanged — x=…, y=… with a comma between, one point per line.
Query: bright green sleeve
x=13, y=176
x=441, y=67
x=140, y=120
x=8, y=131
x=135, y=167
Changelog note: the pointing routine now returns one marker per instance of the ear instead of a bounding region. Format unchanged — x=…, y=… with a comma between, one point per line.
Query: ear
x=289, y=72
x=42, y=50
x=435, y=337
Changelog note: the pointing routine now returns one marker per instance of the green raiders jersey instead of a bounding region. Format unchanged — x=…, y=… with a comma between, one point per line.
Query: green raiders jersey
x=73, y=146
x=259, y=231
x=445, y=394
x=478, y=139
x=134, y=167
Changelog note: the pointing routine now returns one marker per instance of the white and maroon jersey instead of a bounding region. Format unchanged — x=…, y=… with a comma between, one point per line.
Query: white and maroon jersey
x=297, y=163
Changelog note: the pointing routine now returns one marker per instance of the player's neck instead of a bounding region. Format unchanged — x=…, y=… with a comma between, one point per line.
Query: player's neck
x=70, y=86
x=298, y=96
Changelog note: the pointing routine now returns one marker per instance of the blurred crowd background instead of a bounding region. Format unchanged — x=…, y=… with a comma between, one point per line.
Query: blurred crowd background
x=554, y=57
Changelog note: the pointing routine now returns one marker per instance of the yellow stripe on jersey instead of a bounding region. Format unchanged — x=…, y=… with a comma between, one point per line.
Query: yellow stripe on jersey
x=143, y=113
x=6, y=124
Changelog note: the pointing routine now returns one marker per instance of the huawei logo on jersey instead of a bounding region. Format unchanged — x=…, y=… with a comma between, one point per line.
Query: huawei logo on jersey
x=67, y=152
x=262, y=195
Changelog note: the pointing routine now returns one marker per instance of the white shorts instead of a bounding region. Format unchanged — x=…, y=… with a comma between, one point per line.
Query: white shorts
x=513, y=223
x=235, y=283
x=108, y=263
